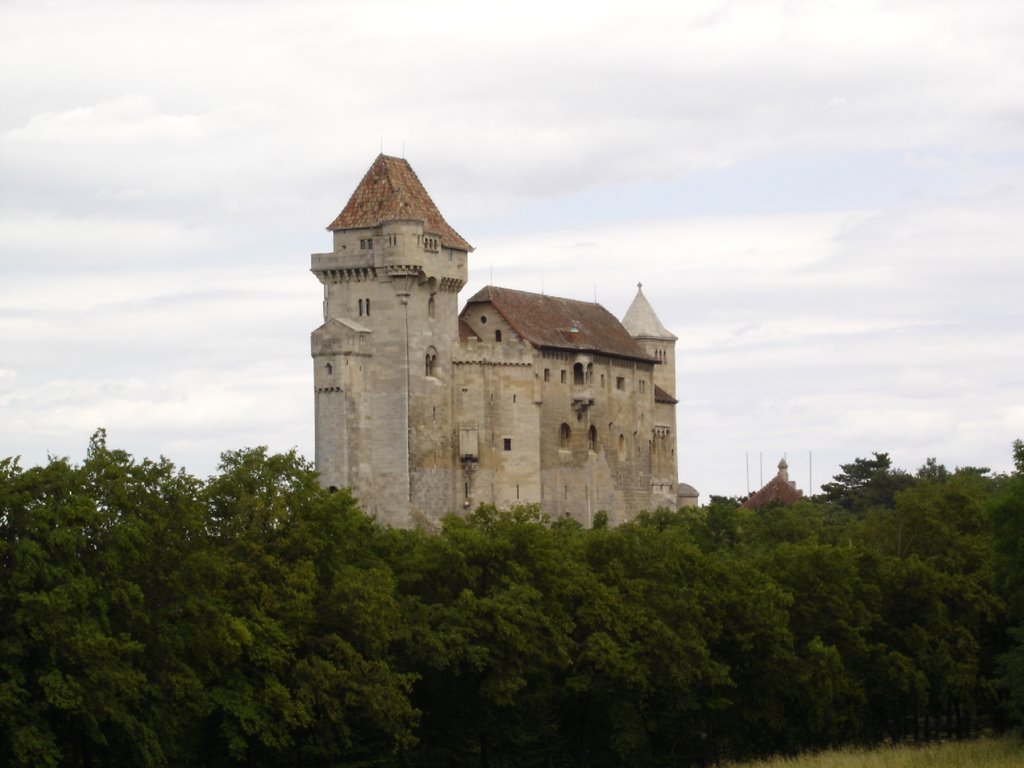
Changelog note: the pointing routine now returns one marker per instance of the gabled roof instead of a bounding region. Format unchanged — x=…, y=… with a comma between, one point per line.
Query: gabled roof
x=555, y=323
x=336, y=324
x=391, y=191
x=642, y=322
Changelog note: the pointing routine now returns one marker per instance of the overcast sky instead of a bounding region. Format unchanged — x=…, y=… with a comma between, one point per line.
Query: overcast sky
x=823, y=200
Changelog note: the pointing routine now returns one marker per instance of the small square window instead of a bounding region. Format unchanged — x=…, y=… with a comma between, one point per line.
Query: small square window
x=508, y=443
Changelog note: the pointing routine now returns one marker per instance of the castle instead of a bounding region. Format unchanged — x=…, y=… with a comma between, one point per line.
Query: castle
x=520, y=398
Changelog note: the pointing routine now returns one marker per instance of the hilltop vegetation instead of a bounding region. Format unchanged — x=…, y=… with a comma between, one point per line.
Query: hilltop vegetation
x=153, y=618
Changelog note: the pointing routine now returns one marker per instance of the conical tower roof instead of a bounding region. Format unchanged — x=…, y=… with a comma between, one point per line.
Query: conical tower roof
x=642, y=322
x=391, y=191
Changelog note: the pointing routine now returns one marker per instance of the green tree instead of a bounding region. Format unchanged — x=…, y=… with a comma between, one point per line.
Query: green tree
x=866, y=483
x=488, y=635
x=309, y=617
x=1006, y=516
x=76, y=542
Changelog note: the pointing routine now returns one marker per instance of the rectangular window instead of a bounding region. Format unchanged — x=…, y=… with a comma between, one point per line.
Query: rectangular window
x=620, y=382
x=563, y=376
x=508, y=443
x=643, y=386
x=602, y=381
x=547, y=374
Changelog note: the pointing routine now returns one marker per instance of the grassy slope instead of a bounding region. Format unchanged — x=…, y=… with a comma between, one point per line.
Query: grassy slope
x=982, y=753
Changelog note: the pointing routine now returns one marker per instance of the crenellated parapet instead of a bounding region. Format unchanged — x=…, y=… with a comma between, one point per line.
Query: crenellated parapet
x=478, y=352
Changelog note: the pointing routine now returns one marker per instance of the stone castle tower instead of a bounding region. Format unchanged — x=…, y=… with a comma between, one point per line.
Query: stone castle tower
x=521, y=398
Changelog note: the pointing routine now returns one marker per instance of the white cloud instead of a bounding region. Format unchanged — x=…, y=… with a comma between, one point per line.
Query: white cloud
x=854, y=287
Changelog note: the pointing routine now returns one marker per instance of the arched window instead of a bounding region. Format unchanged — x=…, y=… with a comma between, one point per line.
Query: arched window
x=360, y=307
x=592, y=438
x=577, y=375
x=622, y=445
x=590, y=374
x=430, y=307
x=564, y=433
x=431, y=357
x=497, y=335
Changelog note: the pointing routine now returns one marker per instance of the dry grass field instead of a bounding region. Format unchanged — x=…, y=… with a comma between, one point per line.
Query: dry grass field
x=1006, y=752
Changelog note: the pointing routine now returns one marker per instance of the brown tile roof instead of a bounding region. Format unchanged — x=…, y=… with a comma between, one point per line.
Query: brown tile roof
x=661, y=396
x=776, y=491
x=391, y=191
x=555, y=323
x=466, y=332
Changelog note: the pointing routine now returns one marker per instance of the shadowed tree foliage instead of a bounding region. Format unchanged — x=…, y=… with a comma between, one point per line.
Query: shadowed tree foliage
x=151, y=618
x=1006, y=515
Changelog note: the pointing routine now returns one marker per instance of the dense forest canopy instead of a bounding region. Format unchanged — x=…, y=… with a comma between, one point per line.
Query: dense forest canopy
x=152, y=618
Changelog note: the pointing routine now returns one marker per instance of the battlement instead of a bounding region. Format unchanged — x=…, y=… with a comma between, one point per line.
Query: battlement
x=476, y=351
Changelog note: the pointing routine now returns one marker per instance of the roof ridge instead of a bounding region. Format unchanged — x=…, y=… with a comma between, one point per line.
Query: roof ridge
x=556, y=322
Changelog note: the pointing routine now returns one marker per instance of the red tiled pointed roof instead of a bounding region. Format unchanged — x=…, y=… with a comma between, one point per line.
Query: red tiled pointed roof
x=776, y=491
x=556, y=323
x=391, y=191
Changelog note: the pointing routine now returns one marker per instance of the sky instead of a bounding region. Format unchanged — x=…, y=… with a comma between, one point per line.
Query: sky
x=823, y=200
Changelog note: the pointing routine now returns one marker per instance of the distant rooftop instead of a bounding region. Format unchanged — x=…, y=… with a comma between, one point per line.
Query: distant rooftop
x=779, y=490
